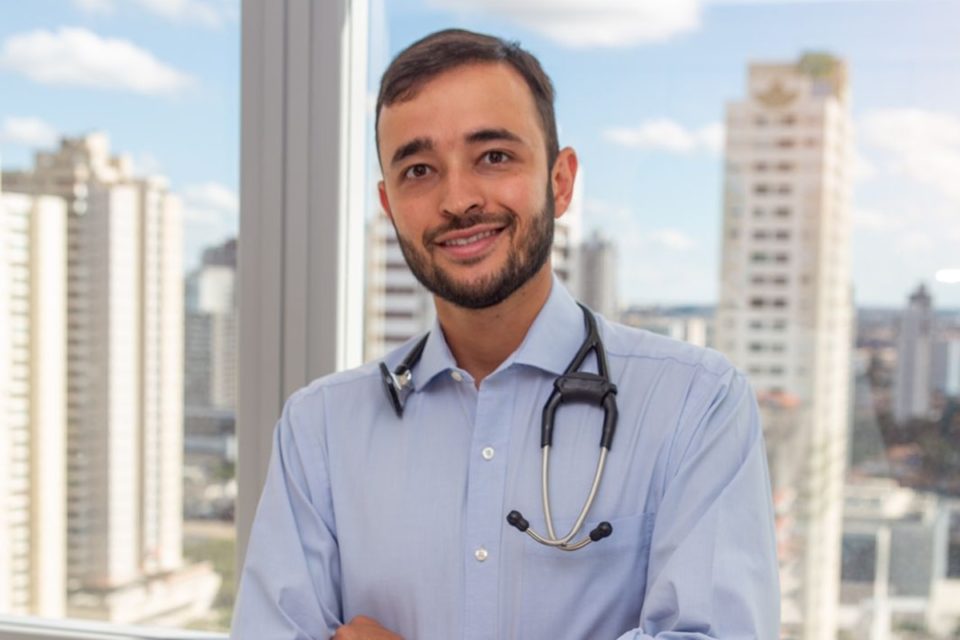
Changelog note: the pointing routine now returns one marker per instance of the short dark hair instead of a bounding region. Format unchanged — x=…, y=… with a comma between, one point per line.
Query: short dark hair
x=444, y=50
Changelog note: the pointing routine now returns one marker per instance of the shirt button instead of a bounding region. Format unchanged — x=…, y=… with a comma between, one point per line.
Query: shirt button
x=456, y=375
x=480, y=554
x=487, y=453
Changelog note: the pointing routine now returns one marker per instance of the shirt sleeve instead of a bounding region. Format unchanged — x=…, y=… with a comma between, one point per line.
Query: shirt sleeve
x=713, y=565
x=290, y=584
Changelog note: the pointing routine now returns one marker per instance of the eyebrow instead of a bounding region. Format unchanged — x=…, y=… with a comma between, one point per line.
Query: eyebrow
x=419, y=145
x=487, y=135
x=413, y=147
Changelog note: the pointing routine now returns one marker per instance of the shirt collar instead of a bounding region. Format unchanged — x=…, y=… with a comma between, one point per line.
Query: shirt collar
x=551, y=342
x=555, y=335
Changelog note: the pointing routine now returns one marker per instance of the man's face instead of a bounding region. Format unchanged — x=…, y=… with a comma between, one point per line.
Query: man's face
x=466, y=184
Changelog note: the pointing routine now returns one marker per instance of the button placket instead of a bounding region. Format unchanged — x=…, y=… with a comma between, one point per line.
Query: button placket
x=487, y=477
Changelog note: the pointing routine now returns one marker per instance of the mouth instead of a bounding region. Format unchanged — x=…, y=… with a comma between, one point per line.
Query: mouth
x=471, y=243
x=476, y=237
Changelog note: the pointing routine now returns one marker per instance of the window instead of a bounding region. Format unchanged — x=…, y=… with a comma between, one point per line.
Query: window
x=120, y=194
x=681, y=202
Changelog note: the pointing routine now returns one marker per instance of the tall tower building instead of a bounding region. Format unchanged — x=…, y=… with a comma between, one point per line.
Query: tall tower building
x=785, y=310
x=597, y=275
x=33, y=403
x=124, y=381
x=914, y=384
x=398, y=307
x=210, y=352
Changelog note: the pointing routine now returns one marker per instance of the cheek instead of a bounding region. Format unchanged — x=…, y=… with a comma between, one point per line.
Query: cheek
x=521, y=194
x=411, y=214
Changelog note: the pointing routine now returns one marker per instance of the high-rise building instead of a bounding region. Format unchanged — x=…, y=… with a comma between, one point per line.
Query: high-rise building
x=397, y=307
x=946, y=365
x=597, y=275
x=913, y=380
x=785, y=310
x=210, y=353
x=33, y=404
x=124, y=381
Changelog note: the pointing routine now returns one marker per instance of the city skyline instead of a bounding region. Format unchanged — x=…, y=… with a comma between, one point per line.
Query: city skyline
x=649, y=148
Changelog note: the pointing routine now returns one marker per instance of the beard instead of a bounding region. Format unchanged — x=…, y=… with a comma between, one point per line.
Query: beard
x=524, y=260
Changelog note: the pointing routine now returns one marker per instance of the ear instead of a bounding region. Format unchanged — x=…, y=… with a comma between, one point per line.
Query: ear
x=384, y=201
x=562, y=178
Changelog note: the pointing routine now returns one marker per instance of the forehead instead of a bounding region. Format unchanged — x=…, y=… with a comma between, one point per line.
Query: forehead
x=461, y=100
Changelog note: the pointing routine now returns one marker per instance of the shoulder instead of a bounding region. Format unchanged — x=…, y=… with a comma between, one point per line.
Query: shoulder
x=669, y=372
x=352, y=389
x=639, y=346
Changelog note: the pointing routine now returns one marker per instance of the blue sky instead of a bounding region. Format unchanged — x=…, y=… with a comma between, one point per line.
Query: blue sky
x=656, y=74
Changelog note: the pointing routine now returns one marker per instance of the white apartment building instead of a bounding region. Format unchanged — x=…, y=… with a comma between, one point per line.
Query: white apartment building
x=913, y=386
x=897, y=572
x=33, y=403
x=212, y=310
x=785, y=310
x=597, y=275
x=397, y=307
x=124, y=379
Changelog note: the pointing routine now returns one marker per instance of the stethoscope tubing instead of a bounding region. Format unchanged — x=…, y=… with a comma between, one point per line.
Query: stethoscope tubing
x=573, y=386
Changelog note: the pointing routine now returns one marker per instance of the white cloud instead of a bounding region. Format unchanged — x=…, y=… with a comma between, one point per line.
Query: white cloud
x=77, y=57
x=211, y=196
x=601, y=214
x=28, y=132
x=95, y=6
x=863, y=168
x=597, y=23
x=923, y=146
x=662, y=134
x=193, y=11
x=873, y=220
x=208, y=13
x=210, y=215
x=672, y=239
x=948, y=276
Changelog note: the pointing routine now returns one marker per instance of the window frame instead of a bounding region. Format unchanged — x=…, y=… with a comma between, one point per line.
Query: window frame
x=300, y=263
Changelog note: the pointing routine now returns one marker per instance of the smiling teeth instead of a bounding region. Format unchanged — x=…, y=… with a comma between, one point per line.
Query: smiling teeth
x=474, y=238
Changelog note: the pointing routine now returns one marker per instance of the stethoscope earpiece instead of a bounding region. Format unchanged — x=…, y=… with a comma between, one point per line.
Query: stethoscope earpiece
x=391, y=387
x=398, y=384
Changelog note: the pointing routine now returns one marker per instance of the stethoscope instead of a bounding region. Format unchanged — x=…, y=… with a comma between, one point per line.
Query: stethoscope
x=573, y=386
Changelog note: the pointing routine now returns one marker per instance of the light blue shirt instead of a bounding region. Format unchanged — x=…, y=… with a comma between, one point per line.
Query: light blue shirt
x=364, y=513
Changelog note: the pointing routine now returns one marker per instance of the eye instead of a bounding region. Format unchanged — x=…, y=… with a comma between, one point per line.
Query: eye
x=416, y=171
x=495, y=157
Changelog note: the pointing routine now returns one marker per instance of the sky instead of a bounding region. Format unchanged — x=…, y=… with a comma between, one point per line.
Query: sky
x=641, y=91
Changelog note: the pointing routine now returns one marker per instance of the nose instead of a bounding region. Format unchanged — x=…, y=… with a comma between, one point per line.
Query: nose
x=462, y=193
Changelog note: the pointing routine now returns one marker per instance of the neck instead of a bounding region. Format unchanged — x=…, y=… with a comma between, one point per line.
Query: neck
x=481, y=339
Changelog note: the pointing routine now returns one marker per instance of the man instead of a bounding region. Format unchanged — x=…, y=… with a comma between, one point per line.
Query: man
x=379, y=524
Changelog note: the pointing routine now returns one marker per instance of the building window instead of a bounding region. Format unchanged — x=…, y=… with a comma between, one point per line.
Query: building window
x=859, y=557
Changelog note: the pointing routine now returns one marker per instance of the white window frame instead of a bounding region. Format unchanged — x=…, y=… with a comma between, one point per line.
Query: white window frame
x=303, y=119
x=301, y=216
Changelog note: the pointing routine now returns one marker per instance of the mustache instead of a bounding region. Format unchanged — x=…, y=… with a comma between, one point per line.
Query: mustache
x=470, y=219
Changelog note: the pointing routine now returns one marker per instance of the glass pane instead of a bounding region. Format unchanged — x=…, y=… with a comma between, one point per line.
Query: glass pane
x=776, y=181
x=118, y=232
